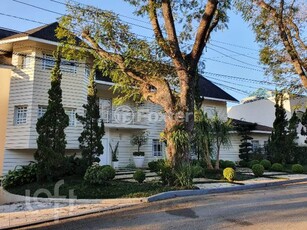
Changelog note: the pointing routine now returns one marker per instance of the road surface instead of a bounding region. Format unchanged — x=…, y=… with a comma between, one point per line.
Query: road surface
x=282, y=207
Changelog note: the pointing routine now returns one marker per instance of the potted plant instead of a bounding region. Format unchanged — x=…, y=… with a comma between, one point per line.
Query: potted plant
x=114, y=155
x=139, y=139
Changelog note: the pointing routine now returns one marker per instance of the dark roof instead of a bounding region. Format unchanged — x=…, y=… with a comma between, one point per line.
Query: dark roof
x=6, y=32
x=46, y=32
x=208, y=89
x=255, y=126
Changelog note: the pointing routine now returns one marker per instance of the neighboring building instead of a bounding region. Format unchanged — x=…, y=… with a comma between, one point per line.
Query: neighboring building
x=262, y=110
x=25, y=80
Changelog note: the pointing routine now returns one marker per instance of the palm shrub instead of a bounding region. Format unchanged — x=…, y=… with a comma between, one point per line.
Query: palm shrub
x=229, y=174
x=258, y=170
x=139, y=176
x=277, y=167
x=90, y=139
x=297, y=168
x=51, y=140
x=184, y=176
x=166, y=173
x=266, y=164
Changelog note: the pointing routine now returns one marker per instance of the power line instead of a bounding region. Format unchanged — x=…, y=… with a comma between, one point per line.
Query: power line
x=228, y=63
x=234, y=45
x=231, y=57
x=232, y=88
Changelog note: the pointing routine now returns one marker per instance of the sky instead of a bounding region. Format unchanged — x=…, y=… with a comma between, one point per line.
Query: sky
x=231, y=53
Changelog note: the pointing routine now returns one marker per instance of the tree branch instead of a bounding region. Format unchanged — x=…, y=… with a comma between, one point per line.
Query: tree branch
x=202, y=32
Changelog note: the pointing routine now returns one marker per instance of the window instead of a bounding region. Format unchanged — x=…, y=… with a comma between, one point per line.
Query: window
x=66, y=66
x=255, y=144
x=41, y=111
x=105, y=108
x=72, y=116
x=156, y=148
x=21, y=115
x=87, y=71
x=25, y=62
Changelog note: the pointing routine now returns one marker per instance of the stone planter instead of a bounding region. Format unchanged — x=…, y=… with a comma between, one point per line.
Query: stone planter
x=138, y=161
x=115, y=164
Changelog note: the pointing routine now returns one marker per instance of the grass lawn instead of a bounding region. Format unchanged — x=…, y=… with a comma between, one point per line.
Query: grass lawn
x=114, y=189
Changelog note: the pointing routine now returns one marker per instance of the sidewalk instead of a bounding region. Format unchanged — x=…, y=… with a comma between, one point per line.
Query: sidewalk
x=25, y=211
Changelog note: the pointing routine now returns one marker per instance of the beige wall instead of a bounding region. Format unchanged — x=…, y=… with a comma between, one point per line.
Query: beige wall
x=5, y=76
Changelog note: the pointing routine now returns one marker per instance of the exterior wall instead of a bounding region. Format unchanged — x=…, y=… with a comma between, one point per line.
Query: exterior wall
x=211, y=106
x=232, y=153
x=5, y=76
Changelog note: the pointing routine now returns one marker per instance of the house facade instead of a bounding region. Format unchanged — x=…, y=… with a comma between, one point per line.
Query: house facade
x=25, y=80
x=262, y=110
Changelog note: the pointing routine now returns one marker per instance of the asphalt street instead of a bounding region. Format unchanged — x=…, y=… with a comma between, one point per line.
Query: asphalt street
x=282, y=207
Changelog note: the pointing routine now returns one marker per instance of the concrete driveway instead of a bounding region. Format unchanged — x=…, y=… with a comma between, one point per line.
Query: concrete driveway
x=282, y=207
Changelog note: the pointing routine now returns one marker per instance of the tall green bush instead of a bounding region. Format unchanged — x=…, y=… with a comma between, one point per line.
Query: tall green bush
x=51, y=141
x=90, y=139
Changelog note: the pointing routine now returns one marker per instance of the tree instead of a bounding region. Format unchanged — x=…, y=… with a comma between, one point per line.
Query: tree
x=90, y=138
x=162, y=71
x=292, y=137
x=51, y=141
x=280, y=27
x=246, y=147
x=304, y=125
x=277, y=144
x=203, y=136
x=260, y=93
x=220, y=135
x=139, y=139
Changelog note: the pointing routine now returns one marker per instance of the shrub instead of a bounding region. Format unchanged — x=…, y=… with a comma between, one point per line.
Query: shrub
x=229, y=174
x=266, y=164
x=297, y=168
x=154, y=166
x=138, y=154
x=222, y=164
x=24, y=175
x=197, y=171
x=243, y=163
x=277, y=167
x=229, y=164
x=258, y=170
x=139, y=176
x=253, y=162
x=184, y=176
x=166, y=174
x=96, y=174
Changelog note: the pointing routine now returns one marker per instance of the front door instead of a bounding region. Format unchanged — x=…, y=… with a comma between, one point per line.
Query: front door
x=105, y=157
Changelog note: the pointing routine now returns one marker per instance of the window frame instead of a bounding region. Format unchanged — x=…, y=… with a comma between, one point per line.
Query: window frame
x=49, y=62
x=23, y=111
x=71, y=113
x=157, y=148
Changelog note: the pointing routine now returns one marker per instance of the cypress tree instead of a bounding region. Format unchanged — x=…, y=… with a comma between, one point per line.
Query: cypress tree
x=51, y=141
x=246, y=147
x=277, y=145
x=292, y=137
x=304, y=125
x=90, y=138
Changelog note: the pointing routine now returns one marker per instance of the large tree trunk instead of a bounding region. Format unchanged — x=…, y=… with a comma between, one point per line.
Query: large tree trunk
x=217, y=162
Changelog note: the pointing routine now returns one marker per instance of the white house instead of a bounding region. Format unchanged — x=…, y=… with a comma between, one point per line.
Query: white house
x=25, y=80
x=262, y=110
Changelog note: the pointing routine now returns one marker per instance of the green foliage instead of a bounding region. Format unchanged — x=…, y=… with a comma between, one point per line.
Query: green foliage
x=138, y=154
x=114, y=151
x=277, y=144
x=277, y=167
x=246, y=147
x=243, y=163
x=139, y=176
x=90, y=139
x=181, y=139
x=139, y=140
x=304, y=125
x=51, y=141
x=198, y=171
x=297, y=168
x=229, y=174
x=184, y=176
x=97, y=174
x=258, y=170
x=253, y=162
x=300, y=155
x=228, y=164
x=20, y=176
x=266, y=164
x=166, y=173
x=154, y=166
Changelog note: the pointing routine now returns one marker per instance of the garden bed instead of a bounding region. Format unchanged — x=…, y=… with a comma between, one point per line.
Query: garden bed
x=113, y=189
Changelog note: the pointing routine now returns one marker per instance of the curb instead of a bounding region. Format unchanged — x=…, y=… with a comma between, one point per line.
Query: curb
x=184, y=193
